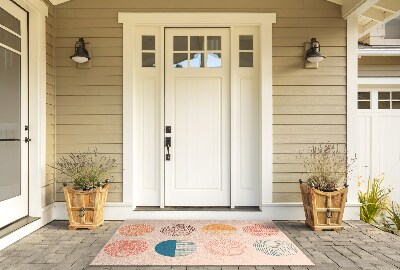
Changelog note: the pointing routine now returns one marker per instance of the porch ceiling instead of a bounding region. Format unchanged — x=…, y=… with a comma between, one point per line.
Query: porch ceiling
x=371, y=13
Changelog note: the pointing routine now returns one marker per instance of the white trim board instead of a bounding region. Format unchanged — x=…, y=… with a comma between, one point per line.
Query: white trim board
x=352, y=89
x=270, y=211
x=132, y=126
x=378, y=80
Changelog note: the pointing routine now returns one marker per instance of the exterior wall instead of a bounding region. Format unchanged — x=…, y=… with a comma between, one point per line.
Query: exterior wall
x=50, y=106
x=379, y=66
x=309, y=104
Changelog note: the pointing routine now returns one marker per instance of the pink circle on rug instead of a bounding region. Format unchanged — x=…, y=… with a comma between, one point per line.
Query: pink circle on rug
x=225, y=247
x=135, y=229
x=178, y=230
x=124, y=248
x=261, y=230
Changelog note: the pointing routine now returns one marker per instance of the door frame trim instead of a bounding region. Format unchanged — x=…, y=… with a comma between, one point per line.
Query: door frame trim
x=37, y=13
x=131, y=119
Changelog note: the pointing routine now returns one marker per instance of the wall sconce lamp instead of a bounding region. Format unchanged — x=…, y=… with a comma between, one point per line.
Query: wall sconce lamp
x=313, y=55
x=81, y=54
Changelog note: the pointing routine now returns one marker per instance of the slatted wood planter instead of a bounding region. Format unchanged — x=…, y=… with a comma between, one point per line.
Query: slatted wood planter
x=323, y=210
x=86, y=208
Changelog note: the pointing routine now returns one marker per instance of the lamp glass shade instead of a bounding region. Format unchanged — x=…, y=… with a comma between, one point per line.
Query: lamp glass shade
x=79, y=59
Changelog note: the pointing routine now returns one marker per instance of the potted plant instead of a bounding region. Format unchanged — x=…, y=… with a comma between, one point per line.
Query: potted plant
x=86, y=198
x=324, y=192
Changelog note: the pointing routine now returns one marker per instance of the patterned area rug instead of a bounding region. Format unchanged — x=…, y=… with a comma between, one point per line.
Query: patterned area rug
x=200, y=242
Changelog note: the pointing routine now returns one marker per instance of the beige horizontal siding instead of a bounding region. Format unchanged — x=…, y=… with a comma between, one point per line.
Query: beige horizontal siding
x=379, y=66
x=309, y=104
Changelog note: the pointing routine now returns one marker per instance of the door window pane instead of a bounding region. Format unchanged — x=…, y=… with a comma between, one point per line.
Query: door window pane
x=383, y=105
x=10, y=21
x=384, y=95
x=396, y=105
x=180, y=43
x=214, y=60
x=246, y=42
x=245, y=59
x=10, y=40
x=364, y=105
x=196, y=43
x=180, y=60
x=10, y=123
x=396, y=95
x=148, y=59
x=197, y=60
x=214, y=43
x=148, y=43
x=364, y=95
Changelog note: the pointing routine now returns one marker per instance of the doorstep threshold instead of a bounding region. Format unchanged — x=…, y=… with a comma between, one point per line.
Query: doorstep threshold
x=205, y=208
x=9, y=229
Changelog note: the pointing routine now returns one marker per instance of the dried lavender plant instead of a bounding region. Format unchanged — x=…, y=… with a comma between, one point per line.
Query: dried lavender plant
x=85, y=169
x=326, y=167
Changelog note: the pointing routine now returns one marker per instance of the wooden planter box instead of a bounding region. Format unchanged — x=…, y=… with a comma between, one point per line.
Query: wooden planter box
x=323, y=210
x=86, y=208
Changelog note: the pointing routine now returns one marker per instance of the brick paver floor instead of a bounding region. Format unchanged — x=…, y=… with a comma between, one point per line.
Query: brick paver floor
x=358, y=246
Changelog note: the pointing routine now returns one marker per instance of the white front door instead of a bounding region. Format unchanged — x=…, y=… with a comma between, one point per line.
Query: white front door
x=379, y=133
x=197, y=110
x=13, y=113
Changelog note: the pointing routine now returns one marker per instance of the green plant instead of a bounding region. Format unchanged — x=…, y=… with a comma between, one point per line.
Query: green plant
x=393, y=214
x=326, y=167
x=374, y=200
x=85, y=169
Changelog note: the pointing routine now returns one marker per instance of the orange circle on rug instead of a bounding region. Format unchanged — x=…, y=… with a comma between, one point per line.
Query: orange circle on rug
x=124, y=248
x=225, y=247
x=219, y=229
x=135, y=229
x=261, y=230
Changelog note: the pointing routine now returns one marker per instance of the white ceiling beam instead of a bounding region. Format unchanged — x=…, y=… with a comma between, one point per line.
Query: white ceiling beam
x=373, y=24
x=356, y=7
x=375, y=14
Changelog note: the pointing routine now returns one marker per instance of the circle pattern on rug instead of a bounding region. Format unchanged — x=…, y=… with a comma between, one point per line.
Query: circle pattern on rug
x=175, y=248
x=261, y=230
x=219, y=229
x=275, y=247
x=124, y=248
x=178, y=230
x=135, y=229
x=225, y=247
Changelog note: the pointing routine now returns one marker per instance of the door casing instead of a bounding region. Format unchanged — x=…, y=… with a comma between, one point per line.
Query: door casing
x=135, y=24
x=17, y=207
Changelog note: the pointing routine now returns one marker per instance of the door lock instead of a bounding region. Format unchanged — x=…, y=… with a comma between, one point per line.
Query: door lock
x=168, y=145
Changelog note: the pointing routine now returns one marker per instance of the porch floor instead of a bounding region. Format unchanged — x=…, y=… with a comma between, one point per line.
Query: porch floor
x=359, y=246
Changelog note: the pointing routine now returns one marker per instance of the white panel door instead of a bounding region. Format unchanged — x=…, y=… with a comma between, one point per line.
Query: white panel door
x=389, y=153
x=197, y=108
x=378, y=137
x=13, y=113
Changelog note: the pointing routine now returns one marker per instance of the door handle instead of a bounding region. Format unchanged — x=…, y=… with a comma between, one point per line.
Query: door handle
x=168, y=145
x=27, y=139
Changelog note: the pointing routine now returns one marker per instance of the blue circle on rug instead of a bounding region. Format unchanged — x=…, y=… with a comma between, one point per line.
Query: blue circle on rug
x=175, y=248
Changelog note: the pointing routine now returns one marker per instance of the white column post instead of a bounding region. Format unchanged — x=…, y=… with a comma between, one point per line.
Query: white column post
x=352, y=89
